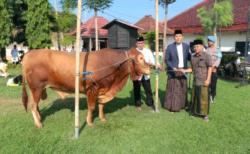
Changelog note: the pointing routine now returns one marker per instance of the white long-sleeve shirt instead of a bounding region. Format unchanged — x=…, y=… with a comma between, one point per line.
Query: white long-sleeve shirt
x=149, y=58
x=180, y=55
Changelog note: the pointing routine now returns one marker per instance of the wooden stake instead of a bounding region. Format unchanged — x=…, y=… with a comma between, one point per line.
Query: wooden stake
x=165, y=33
x=77, y=77
x=156, y=55
x=96, y=33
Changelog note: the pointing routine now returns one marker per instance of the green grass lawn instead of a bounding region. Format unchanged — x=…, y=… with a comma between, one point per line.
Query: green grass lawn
x=126, y=130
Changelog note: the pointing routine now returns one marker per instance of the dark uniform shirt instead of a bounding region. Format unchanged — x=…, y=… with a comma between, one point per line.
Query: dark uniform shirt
x=200, y=64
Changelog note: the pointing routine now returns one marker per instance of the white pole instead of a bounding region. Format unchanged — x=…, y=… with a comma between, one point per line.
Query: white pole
x=78, y=30
x=156, y=54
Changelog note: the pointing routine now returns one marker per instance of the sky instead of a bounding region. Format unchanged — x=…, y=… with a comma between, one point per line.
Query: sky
x=133, y=10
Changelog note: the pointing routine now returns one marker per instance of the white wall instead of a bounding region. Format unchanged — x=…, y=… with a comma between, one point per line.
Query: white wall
x=229, y=39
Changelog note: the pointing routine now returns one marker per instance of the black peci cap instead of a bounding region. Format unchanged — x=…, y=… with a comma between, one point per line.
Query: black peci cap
x=140, y=38
x=177, y=31
x=198, y=42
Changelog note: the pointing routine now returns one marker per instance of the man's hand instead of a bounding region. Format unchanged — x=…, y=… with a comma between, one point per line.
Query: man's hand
x=179, y=72
x=159, y=67
x=214, y=70
x=206, y=83
x=182, y=70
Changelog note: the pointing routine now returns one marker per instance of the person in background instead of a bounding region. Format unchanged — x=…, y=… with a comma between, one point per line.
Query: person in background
x=14, y=54
x=202, y=69
x=72, y=49
x=176, y=57
x=216, y=56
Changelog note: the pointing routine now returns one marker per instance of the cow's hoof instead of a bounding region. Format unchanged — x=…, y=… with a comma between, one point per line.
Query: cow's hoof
x=90, y=124
x=103, y=119
x=39, y=125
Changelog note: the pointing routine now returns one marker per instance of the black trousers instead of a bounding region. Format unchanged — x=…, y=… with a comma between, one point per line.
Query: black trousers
x=212, y=87
x=147, y=88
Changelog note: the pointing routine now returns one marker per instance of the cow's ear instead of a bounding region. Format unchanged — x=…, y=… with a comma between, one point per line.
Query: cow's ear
x=133, y=52
x=133, y=75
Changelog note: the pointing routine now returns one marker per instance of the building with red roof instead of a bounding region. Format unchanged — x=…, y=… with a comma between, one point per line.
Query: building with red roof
x=88, y=33
x=147, y=23
x=232, y=38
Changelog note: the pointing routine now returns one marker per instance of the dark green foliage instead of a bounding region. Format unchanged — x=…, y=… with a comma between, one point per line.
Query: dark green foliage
x=6, y=23
x=38, y=26
x=19, y=7
x=68, y=5
x=228, y=58
x=66, y=21
x=150, y=40
x=3, y=54
x=220, y=15
x=67, y=40
x=97, y=5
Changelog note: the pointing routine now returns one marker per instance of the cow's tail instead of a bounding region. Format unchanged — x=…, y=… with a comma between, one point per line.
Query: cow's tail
x=24, y=94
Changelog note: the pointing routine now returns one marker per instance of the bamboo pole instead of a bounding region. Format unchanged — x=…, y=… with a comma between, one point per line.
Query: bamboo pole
x=77, y=69
x=156, y=55
x=165, y=33
x=165, y=26
x=57, y=33
x=96, y=33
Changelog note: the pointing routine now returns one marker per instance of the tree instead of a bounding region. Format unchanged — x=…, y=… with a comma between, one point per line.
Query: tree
x=19, y=7
x=65, y=22
x=219, y=15
x=5, y=25
x=150, y=40
x=164, y=4
x=68, y=5
x=97, y=5
x=38, y=28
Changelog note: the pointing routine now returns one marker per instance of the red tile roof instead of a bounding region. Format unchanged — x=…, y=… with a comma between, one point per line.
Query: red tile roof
x=148, y=25
x=189, y=23
x=88, y=28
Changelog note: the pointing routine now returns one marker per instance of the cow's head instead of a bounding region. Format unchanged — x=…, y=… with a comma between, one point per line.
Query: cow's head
x=138, y=65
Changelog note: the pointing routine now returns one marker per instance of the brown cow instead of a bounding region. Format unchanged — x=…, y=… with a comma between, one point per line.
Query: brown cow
x=44, y=68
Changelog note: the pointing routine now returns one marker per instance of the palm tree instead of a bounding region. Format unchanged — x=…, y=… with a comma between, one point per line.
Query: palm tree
x=165, y=4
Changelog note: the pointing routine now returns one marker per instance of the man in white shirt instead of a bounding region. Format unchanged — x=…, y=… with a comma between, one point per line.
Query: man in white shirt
x=145, y=79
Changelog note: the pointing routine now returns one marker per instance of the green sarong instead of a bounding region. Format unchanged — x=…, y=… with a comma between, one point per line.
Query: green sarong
x=200, y=101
